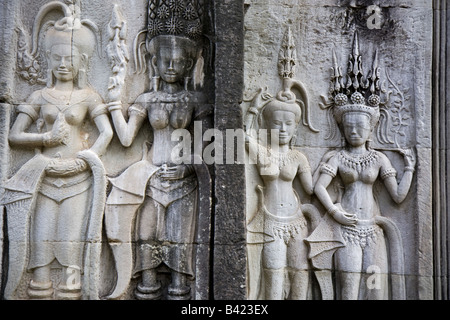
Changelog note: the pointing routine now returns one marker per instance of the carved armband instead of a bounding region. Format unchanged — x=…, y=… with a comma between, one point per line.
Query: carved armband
x=98, y=111
x=327, y=169
x=137, y=110
x=391, y=172
x=28, y=110
x=409, y=168
x=304, y=169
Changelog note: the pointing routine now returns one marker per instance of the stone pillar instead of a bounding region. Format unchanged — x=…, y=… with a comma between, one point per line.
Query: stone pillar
x=441, y=138
x=229, y=275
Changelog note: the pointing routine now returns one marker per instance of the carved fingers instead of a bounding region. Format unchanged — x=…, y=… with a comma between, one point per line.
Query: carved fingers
x=345, y=218
x=409, y=157
x=59, y=134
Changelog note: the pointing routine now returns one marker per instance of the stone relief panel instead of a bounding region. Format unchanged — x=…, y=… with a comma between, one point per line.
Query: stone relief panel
x=155, y=200
x=355, y=236
x=278, y=255
x=55, y=201
x=97, y=204
x=389, y=78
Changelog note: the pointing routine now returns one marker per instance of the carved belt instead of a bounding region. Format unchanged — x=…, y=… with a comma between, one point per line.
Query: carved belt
x=284, y=228
x=361, y=235
x=62, y=188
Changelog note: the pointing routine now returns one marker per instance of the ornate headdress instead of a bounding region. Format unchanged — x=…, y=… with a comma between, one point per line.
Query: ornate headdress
x=358, y=94
x=172, y=22
x=175, y=17
x=69, y=30
x=285, y=99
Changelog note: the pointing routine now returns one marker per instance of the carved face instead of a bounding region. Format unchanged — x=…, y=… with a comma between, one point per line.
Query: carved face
x=173, y=63
x=284, y=122
x=64, y=61
x=357, y=129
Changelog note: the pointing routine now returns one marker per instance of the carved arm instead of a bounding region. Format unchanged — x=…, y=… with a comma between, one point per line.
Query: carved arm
x=127, y=131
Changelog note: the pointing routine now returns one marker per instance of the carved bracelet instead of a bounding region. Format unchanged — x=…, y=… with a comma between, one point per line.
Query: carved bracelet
x=115, y=105
x=332, y=210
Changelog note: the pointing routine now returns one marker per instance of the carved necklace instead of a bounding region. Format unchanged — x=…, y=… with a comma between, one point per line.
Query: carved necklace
x=358, y=161
x=282, y=159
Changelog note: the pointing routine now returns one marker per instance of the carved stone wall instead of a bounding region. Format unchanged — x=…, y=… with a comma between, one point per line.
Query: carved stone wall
x=124, y=63
x=321, y=31
x=237, y=218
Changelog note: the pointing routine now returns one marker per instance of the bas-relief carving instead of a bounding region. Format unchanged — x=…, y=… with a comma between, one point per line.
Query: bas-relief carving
x=354, y=232
x=282, y=222
x=152, y=209
x=154, y=202
x=55, y=202
x=354, y=250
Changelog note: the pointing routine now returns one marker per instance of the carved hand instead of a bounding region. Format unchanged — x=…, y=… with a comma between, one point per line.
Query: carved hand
x=343, y=217
x=114, y=93
x=59, y=134
x=409, y=157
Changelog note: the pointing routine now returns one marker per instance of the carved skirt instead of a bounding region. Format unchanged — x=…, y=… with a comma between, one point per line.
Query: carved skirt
x=166, y=228
x=60, y=220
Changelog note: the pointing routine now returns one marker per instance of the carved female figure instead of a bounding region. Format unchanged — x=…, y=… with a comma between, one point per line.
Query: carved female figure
x=157, y=198
x=56, y=198
x=280, y=215
x=353, y=221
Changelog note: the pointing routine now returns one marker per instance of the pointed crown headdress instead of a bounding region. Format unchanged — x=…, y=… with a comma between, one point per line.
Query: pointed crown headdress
x=172, y=22
x=175, y=17
x=358, y=94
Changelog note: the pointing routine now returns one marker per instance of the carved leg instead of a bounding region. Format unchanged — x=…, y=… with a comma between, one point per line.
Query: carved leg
x=149, y=288
x=70, y=286
x=41, y=286
x=375, y=267
x=349, y=268
x=274, y=284
x=274, y=262
x=178, y=290
x=299, y=284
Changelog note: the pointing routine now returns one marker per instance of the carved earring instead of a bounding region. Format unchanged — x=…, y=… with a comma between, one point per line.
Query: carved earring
x=155, y=83
x=186, y=83
x=82, y=78
x=156, y=79
x=50, y=78
x=293, y=140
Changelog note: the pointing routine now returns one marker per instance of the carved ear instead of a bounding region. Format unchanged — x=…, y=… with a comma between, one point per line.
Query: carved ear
x=84, y=59
x=190, y=64
x=153, y=61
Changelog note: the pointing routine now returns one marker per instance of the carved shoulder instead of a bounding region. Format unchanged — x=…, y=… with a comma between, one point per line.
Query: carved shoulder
x=36, y=98
x=33, y=105
x=383, y=160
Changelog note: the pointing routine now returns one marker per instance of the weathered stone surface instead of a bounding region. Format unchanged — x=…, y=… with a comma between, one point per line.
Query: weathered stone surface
x=237, y=58
x=405, y=61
